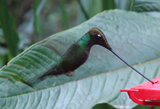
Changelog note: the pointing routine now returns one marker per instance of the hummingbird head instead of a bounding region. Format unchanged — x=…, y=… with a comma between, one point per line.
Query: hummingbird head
x=97, y=37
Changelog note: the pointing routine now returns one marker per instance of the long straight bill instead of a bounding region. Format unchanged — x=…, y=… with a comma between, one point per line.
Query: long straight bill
x=131, y=66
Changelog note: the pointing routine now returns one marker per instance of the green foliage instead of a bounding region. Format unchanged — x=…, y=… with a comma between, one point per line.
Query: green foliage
x=108, y=4
x=64, y=14
x=9, y=30
x=103, y=106
x=37, y=18
x=99, y=79
x=145, y=107
x=146, y=5
x=124, y=4
x=87, y=9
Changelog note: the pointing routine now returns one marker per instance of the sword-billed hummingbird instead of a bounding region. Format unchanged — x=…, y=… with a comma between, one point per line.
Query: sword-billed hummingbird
x=78, y=53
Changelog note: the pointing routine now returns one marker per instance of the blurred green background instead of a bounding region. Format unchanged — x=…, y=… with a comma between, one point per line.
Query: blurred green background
x=24, y=22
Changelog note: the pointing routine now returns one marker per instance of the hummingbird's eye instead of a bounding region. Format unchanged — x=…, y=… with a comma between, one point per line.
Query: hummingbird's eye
x=100, y=37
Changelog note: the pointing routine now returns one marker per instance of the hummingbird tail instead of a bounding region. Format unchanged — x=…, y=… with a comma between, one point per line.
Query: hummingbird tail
x=55, y=71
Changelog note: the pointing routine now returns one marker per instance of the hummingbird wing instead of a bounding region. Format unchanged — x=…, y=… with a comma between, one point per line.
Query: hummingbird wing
x=74, y=57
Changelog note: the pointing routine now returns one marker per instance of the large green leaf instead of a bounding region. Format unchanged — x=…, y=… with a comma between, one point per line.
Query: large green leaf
x=134, y=36
x=146, y=5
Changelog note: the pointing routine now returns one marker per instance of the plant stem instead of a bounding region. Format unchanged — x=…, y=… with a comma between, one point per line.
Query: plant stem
x=64, y=14
x=132, y=4
x=83, y=10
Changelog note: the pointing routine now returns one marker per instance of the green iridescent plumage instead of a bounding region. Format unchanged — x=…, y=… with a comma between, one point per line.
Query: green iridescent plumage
x=78, y=53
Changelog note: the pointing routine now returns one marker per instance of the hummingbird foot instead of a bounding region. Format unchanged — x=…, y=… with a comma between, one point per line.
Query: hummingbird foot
x=69, y=73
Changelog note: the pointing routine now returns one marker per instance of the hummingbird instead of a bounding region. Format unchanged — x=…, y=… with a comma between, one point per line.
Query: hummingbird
x=78, y=54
